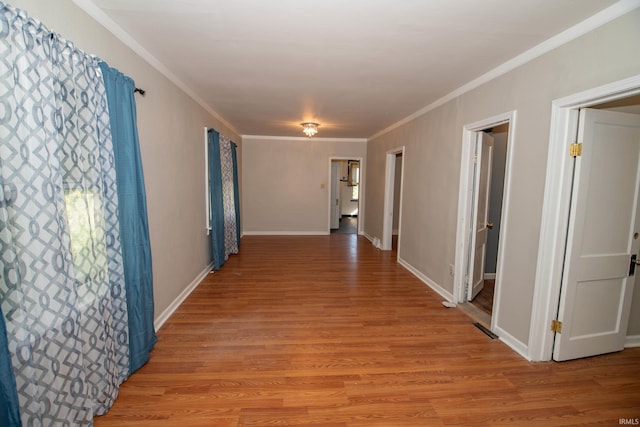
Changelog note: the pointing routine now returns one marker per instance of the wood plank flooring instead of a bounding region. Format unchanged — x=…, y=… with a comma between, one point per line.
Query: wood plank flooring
x=484, y=300
x=329, y=331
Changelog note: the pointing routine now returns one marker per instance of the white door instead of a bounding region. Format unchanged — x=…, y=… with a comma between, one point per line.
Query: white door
x=481, y=224
x=335, y=194
x=597, y=284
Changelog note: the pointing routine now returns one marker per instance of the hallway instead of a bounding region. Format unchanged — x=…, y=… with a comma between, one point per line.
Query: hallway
x=330, y=331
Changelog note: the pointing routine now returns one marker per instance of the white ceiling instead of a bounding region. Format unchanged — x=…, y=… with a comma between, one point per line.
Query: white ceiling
x=355, y=66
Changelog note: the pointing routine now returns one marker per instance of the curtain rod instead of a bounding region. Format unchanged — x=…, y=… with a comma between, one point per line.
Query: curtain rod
x=141, y=91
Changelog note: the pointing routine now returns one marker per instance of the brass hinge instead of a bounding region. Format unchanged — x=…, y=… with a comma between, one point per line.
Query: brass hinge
x=556, y=326
x=575, y=150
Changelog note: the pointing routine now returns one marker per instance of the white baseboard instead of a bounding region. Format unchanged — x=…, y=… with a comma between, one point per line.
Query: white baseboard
x=489, y=276
x=368, y=236
x=515, y=344
x=433, y=285
x=164, y=316
x=632, y=341
x=395, y=232
x=286, y=233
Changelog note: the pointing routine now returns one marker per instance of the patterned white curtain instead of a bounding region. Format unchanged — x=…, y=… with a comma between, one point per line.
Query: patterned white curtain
x=228, y=188
x=62, y=287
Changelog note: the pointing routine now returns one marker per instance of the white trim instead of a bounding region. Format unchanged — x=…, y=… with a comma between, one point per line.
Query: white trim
x=207, y=190
x=489, y=276
x=389, y=196
x=433, y=285
x=599, y=19
x=514, y=343
x=555, y=208
x=302, y=138
x=96, y=13
x=362, y=194
x=368, y=236
x=400, y=202
x=285, y=233
x=632, y=341
x=164, y=316
x=464, y=212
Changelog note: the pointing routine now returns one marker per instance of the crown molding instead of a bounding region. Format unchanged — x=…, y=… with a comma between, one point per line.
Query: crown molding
x=302, y=138
x=601, y=18
x=103, y=19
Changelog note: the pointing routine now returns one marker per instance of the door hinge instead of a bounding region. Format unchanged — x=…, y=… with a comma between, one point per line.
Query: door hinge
x=575, y=150
x=556, y=326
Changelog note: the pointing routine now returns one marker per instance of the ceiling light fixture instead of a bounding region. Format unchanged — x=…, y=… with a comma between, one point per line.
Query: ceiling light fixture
x=310, y=128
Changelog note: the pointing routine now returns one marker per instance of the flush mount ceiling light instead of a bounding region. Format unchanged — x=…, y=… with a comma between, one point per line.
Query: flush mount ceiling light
x=310, y=128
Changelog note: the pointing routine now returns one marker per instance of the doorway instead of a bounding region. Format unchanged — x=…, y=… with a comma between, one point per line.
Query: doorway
x=392, y=217
x=556, y=234
x=482, y=296
x=482, y=210
x=344, y=195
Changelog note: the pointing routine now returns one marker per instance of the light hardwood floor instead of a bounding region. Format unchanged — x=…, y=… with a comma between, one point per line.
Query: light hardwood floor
x=329, y=331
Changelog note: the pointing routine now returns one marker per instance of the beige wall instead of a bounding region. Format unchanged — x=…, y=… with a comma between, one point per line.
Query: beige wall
x=170, y=126
x=286, y=183
x=433, y=157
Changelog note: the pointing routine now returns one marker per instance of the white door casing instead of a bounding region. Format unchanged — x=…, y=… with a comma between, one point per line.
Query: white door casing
x=481, y=223
x=335, y=195
x=389, y=187
x=596, y=288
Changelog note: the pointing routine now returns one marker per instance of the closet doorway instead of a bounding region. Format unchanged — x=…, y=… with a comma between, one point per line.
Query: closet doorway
x=483, y=213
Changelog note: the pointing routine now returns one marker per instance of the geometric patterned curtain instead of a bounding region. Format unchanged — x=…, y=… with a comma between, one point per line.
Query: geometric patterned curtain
x=223, y=188
x=228, y=197
x=62, y=286
x=236, y=190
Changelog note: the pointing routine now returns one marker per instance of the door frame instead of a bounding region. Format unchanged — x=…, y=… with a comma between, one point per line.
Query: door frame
x=360, y=192
x=465, y=207
x=389, y=190
x=556, y=205
x=334, y=185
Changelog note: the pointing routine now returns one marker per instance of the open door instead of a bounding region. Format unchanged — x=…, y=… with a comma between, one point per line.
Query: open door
x=481, y=224
x=602, y=237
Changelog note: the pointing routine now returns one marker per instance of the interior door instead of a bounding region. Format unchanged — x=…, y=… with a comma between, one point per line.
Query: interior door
x=481, y=224
x=335, y=195
x=598, y=280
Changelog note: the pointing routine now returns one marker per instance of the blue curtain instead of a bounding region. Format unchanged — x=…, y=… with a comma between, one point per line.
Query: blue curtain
x=134, y=228
x=217, y=203
x=236, y=190
x=9, y=408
